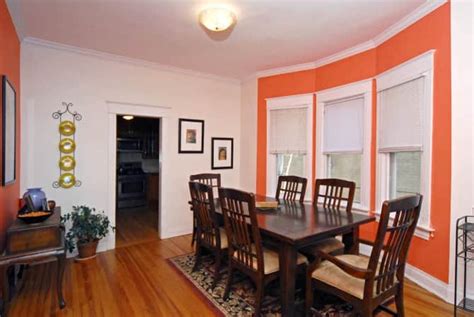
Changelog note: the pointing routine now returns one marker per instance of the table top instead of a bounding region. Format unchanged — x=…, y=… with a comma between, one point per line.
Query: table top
x=302, y=223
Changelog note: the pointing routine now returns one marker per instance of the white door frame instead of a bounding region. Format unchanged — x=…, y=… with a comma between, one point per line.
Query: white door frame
x=115, y=108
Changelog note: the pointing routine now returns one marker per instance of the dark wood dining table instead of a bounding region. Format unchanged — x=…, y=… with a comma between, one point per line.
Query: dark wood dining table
x=295, y=225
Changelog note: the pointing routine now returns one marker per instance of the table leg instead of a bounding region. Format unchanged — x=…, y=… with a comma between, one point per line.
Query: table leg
x=287, y=279
x=351, y=241
x=5, y=290
x=60, y=277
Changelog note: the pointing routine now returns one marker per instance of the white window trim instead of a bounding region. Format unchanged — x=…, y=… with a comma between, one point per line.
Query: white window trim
x=291, y=102
x=360, y=88
x=420, y=66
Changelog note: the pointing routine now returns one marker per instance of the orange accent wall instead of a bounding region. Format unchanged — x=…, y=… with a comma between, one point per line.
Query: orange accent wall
x=430, y=32
x=10, y=66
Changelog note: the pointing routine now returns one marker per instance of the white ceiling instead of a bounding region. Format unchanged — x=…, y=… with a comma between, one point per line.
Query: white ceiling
x=268, y=33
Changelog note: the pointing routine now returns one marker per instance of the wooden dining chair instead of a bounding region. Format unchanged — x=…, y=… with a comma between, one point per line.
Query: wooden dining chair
x=335, y=195
x=291, y=188
x=208, y=234
x=211, y=179
x=368, y=282
x=246, y=252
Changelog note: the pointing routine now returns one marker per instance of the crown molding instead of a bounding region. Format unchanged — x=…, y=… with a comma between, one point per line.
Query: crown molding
x=420, y=12
x=126, y=60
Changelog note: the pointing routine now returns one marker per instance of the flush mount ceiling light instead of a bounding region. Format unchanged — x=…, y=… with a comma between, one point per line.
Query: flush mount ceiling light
x=217, y=19
x=128, y=117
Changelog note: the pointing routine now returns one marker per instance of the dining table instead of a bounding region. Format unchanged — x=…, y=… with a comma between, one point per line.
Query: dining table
x=295, y=225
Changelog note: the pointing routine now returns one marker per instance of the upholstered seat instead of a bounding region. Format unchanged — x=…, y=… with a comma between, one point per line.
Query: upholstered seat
x=224, y=242
x=271, y=260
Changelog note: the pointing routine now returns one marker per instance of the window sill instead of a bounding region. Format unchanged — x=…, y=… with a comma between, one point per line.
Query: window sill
x=423, y=232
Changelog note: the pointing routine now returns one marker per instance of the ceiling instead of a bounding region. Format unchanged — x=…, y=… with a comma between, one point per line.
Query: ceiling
x=268, y=33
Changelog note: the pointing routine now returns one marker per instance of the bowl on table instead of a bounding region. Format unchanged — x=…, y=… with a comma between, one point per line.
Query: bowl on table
x=34, y=216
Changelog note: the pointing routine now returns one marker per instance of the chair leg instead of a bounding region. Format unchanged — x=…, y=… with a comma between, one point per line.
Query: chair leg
x=217, y=268
x=366, y=311
x=193, y=238
x=399, y=302
x=309, y=296
x=259, y=298
x=229, y=281
x=197, y=255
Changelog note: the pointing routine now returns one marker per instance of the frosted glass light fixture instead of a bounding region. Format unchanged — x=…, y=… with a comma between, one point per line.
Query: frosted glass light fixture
x=128, y=117
x=217, y=19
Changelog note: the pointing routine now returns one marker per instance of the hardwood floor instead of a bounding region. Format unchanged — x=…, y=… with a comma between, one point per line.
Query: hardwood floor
x=136, y=225
x=136, y=280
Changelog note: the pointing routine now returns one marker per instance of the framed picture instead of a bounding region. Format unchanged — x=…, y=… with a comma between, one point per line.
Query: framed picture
x=191, y=136
x=8, y=132
x=222, y=153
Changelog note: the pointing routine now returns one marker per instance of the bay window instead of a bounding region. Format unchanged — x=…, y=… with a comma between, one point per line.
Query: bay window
x=343, y=137
x=289, y=139
x=404, y=134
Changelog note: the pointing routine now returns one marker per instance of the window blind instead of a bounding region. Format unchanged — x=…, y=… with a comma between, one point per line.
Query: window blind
x=344, y=126
x=401, y=118
x=288, y=131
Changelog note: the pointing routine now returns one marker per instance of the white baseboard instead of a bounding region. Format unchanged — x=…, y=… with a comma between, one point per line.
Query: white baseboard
x=175, y=233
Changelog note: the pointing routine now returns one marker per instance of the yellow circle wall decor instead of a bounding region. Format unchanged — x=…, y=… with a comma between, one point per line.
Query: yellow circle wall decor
x=67, y=163
x=67, y=147
x=67, y=180
x=67, y=128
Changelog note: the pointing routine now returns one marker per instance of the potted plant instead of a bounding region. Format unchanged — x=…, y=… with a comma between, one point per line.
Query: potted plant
x=88, y=227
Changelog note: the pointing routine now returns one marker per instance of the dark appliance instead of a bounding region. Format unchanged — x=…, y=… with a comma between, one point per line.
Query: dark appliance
x=129, y=145
x=131, y=185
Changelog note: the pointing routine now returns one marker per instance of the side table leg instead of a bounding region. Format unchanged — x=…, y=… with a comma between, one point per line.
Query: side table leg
x=60, y=277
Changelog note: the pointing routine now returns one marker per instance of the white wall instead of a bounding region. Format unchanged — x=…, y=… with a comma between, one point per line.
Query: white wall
x=52, y=75
x=248, y=135
x=462, y=189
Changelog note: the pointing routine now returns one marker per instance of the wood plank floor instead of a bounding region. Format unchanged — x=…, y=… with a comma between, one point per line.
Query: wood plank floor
x=137, y=280
x=136, y=225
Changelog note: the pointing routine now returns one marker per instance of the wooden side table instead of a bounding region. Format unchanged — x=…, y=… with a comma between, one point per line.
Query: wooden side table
x=34, y=243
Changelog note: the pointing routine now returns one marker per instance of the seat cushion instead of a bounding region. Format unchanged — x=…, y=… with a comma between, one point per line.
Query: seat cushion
x=271, y=260
x=224, y=242
x=329, y=245
x=330, y=274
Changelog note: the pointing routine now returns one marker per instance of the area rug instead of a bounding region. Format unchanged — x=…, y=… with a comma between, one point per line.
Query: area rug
x=241, y=298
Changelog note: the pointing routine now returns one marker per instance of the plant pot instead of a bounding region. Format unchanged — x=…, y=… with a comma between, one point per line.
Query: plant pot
x=87, y=250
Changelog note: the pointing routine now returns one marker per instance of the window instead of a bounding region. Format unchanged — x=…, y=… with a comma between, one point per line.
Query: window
x=404, y=134
x=343, y=126
x=289, y=139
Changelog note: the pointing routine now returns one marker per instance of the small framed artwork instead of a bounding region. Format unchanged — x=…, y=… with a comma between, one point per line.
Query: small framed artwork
x=191, y=136
x=8, y=132
x=222, y=153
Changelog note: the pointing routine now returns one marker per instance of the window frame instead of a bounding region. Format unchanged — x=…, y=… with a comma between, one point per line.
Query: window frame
x=420, y=66
x=290, y=102
x=358, y=89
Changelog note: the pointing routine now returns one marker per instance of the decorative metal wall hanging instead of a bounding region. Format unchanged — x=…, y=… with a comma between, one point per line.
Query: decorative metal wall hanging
x=67, y=147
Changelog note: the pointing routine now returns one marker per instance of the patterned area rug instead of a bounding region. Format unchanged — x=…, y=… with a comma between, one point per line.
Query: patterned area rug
x=241, y=298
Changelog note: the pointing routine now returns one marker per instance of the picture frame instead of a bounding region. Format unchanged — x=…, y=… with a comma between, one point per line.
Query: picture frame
x=8, y=132
x=222, y=156
x=191, y=136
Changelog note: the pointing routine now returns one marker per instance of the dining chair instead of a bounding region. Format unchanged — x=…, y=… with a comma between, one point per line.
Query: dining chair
x=208, y=234
x=211, y=179
x=368, y=282
x=246, y=251
x=291, y=188
x=335, y=196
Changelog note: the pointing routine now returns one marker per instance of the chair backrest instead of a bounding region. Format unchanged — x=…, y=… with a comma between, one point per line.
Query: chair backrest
x=211, y=179
x=245, y=244
x=202, y=200
x=333, y=192
x=291, y=188
x=396, y=228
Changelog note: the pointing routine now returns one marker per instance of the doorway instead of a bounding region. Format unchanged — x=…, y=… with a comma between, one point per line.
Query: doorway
x=138, y=149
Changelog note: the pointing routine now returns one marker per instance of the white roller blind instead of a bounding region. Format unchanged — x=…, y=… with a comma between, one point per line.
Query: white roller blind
x=343, y=126
x=401, y=119
x=288, y=131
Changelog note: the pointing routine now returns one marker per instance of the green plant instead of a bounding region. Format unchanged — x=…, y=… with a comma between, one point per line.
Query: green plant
x=87, y=226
